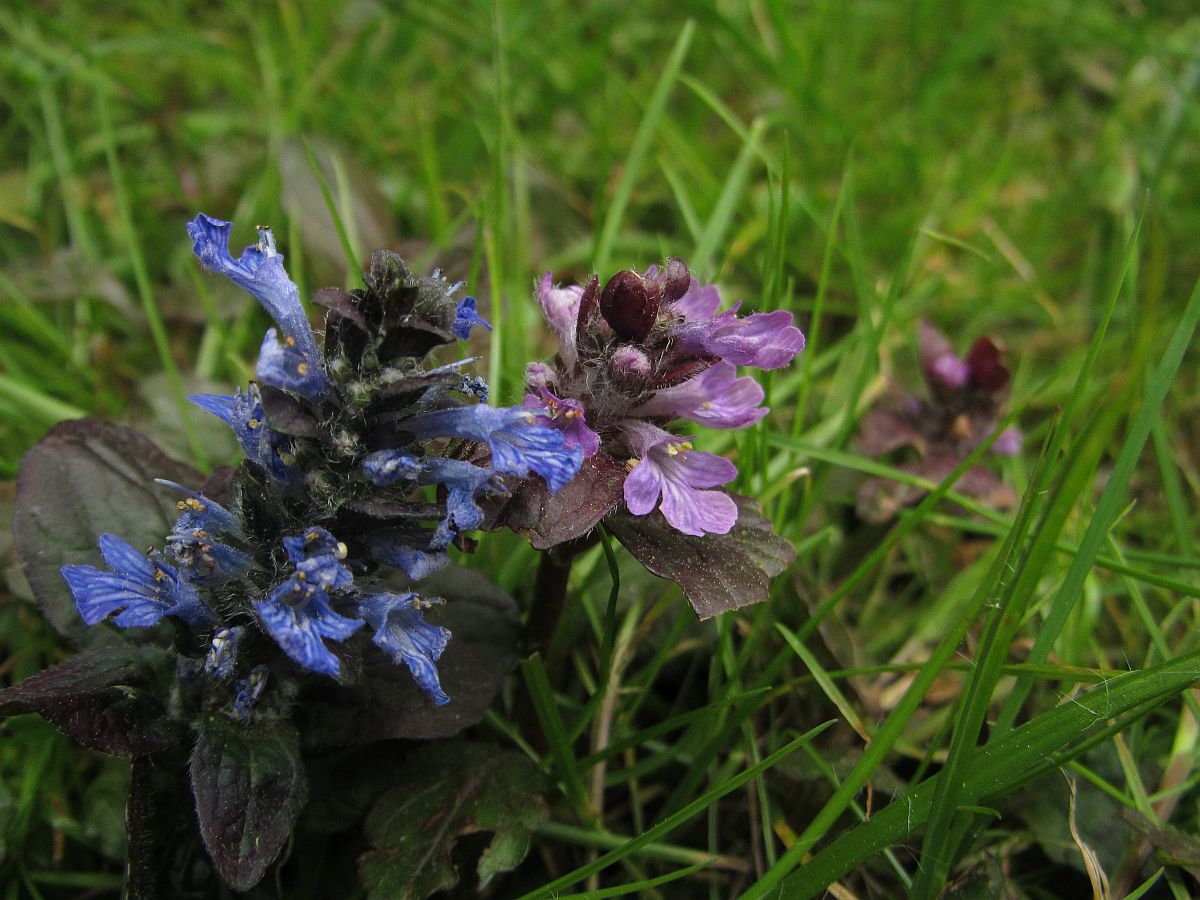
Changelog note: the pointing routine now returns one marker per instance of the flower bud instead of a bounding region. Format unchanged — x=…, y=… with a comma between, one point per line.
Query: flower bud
x=629, y=362
x=539, y=376
x=628, y=307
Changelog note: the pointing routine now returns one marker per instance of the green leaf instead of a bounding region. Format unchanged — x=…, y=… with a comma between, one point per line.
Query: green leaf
x=250, y=786
x=718, y=572
x=87, y=477
x=446, y=791
x=995, y=770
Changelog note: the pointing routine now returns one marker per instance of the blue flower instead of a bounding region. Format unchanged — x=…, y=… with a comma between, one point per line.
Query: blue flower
x=518, y=443
x=475, y=387
x=466, y=318
x=402, y=632
x=202, y=559
x=243, y=412
x=247, y=692
x=463, y=481
x=298, y=614
x=222, y=652
x=291, y=364
x=139, y=591
x=395, y=548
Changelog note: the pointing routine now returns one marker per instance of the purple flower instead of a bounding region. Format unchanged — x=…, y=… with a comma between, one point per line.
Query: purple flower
x=671, y=470
x=243, y=412
x=466, y=318
x=944, y=370
x=402, y=632
x=1009, y=442
x=568, y=417
x=298, y=614
x=764, y=340
x=561, y=306
x=139, y=591
x=518, y=443
x=701, y=301
x=716, y=397
x=294, y=363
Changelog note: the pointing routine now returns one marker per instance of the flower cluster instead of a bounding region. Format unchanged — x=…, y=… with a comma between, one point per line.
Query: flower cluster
x=965, y=396
x=356, y=459
x=646, y=350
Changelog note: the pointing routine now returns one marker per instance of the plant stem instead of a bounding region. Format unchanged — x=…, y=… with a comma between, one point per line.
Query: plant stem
x=550, y=593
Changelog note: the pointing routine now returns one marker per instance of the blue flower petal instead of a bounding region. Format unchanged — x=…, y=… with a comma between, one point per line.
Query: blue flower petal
x=138, y=592
x=518, y=443
x=248, y=690
x=260, y=271
x=297, y=613
x=402, y=632
x=243, y=412
x=466, y=318
x=398, y=551
x=222, y=652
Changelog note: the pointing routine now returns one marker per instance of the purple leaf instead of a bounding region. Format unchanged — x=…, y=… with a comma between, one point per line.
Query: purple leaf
x=87, y=478
x=98, y=698
x=340, y=303
x=250, y=786
x=549, y=519
x=718, y=572
x=381, y=701
x=288, y=414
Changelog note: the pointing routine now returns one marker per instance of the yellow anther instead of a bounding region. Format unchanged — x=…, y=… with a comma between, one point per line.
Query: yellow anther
x=300, y=576
x=181, y=506
x=672, y=449
x=685, y=445
x=571, y=413
x=253, y=423
x=707, y=404
x=291, y=342
x=302, y=369
x=341, y=551
x=312, y=536
x=159, y=574
x=631, y=463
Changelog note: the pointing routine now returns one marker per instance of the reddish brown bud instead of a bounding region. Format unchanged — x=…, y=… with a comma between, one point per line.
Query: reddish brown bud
x=988, y=374
x=628, y=307
x=587, y=306
x=676, y=280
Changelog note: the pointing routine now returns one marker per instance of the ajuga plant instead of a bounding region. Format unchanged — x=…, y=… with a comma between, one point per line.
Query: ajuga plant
x=961, y=410
x=645, y=351
x=290, y=610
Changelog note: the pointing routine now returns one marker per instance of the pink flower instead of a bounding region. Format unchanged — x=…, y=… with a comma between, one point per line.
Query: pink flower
x=567, y=417
x=561, y=306
x=671, y=471
x=716, y=397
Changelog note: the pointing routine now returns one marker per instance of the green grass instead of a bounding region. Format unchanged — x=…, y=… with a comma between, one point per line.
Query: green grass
x=1023, y=170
